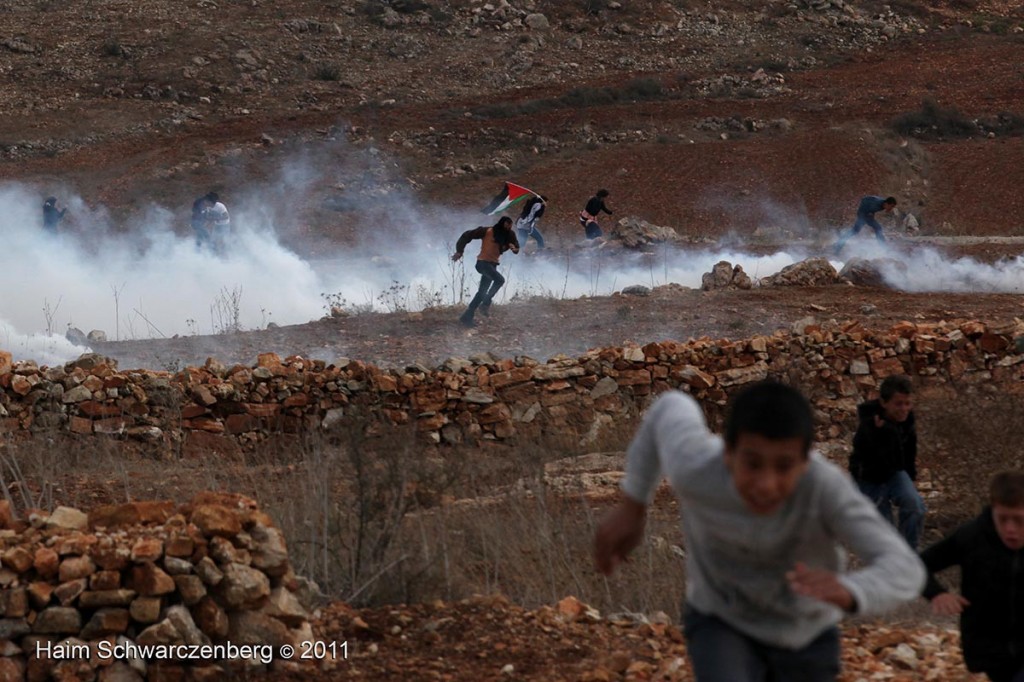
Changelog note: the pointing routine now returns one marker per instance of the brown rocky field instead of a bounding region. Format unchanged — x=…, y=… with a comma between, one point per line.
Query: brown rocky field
x=751, y=128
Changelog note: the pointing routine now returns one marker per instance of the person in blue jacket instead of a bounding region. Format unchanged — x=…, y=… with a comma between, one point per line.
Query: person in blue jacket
x=869, y=206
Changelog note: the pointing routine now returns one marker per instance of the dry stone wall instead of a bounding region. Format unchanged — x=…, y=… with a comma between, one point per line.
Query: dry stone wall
x=485, y=398
x=83, y=595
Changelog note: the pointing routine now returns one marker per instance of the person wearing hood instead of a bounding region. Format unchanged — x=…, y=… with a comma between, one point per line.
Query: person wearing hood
x=495, y=240
x=884, y=458
x=990, y=553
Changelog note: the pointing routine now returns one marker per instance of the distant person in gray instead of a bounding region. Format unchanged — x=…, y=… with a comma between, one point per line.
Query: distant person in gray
x=764, y=523
x=51, y=216
x=866, y=211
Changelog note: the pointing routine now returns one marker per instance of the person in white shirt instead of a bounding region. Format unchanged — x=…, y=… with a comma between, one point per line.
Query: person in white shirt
x=218, y=221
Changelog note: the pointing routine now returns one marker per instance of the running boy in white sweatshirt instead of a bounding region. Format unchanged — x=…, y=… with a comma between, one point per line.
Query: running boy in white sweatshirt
x=763, y=519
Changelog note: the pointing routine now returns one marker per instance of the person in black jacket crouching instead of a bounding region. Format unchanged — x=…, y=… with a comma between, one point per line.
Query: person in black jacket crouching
x=988, y=551
x=884, y=458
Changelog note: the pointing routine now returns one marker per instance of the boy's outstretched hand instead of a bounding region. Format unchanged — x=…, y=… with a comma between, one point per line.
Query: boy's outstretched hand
x=817, y=583
x=620, y=531
x=947, y=604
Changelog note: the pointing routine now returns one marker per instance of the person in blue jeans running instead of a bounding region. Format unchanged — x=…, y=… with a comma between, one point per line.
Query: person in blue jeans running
x=764, y=522
x=884, y=458
x=866, y=211
x=494, y=241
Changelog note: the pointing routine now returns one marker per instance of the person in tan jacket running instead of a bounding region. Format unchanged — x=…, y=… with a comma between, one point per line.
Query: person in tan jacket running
x=496, y=240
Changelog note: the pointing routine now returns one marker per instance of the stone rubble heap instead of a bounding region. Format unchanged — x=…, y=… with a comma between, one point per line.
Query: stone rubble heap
x=484, y=398
x=724, y=275
x=208, y=572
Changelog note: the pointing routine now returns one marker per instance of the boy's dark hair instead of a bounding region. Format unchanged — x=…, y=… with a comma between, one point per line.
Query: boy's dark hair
x=772, y=410
x=602, y=193
x=893, y=384
x=890, y=200
x=212, y=197
x=1007, y=489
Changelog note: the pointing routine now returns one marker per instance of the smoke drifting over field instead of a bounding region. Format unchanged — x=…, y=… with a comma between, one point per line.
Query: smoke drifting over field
x=147, y=281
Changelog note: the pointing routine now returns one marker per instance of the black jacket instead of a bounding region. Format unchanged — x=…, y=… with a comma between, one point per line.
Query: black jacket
x=992, y=580
x=878, y=453
x=595, y=205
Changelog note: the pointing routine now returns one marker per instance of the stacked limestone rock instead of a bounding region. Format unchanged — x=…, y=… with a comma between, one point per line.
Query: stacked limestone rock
x=812, y=272
x=724, y=275
x=498, y=399
x=213, y=571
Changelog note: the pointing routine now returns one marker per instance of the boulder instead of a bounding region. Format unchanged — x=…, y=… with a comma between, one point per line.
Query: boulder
x=634, y=233
x=869, y=273
x=724, y=275
x=807, y=273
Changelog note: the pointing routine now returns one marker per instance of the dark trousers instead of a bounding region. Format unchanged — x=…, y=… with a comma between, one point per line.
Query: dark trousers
x=720, y=653
x=490, y=281
x=862, y=220
x=592, y=229
x=202, y=234
x=1013, y=672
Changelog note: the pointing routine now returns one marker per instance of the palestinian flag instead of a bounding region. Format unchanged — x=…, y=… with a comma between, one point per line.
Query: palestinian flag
x=508, y=196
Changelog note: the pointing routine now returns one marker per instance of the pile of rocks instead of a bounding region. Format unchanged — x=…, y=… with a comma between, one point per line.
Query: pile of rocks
x=492, y=399
x=813, y=272
x=724, y=275
x=634, y=233
x=870, y=273
x=84, y=593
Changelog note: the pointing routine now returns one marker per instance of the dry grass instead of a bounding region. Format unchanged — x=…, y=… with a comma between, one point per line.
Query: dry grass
x=378, y=519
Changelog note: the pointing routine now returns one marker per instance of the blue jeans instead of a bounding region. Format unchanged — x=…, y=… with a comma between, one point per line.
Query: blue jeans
x=862, y=220
x=532, y=231
x=899, y=490
x=720, y=653
x=490, y=281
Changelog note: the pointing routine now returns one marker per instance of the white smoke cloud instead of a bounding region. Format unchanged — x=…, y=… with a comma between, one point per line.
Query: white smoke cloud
x=144, y=280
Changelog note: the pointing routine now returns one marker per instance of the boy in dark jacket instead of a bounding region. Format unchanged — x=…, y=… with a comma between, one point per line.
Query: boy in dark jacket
x=884, y=458
x=991, y=603
x=495, y=240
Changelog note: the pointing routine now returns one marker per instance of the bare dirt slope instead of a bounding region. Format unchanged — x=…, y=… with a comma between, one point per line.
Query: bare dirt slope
x=159, y=105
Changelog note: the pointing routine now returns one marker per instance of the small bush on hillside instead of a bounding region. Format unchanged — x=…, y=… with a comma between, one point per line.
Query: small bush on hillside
x=327, y=72
x=113, y=48
x=934, y=121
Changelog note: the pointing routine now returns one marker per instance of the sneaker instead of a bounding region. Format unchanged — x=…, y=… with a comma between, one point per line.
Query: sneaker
x=467, y=321
x=485, y=309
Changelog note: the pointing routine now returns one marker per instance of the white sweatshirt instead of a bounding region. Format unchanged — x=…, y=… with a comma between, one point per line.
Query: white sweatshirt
x=736, y=561
x=218, y=213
